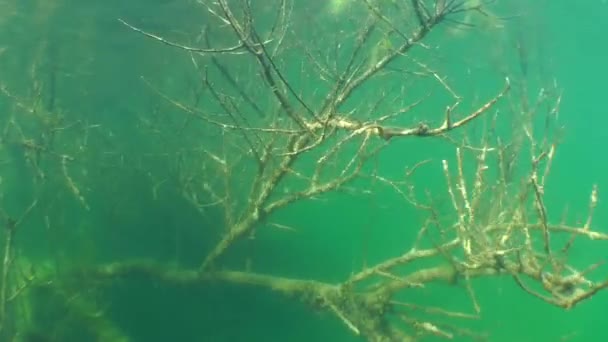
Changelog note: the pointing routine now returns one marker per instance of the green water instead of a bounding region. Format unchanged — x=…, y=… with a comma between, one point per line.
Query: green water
x=108, y=138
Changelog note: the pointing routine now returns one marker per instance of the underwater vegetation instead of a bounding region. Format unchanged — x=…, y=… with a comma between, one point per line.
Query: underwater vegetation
x=384, y=165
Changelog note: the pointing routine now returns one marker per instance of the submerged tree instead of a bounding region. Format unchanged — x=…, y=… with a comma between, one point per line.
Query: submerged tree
x=285, y=111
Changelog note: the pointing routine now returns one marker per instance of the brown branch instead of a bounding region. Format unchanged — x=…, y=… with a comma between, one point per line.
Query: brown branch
x=238, y=48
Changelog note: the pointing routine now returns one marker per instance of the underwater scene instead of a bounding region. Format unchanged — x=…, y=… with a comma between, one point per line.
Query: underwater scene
x=303, y=170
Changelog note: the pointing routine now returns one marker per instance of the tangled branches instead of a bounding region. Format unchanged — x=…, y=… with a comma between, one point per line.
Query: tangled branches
x=279, y=117
x=303, y=145
x=274, y=139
